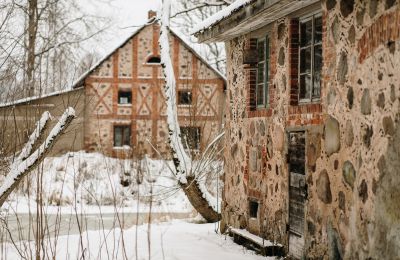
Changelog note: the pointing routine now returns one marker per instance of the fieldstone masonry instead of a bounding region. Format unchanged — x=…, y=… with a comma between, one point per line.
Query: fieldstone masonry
x=352, y=136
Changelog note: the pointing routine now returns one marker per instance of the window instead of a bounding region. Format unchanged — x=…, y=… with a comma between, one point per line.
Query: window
x=184, y=97
x=124, y=97
x=262, y=85
x=191, y=137
x=253, y=209
x=122, y=135
x=310, y=58
x=154, y=60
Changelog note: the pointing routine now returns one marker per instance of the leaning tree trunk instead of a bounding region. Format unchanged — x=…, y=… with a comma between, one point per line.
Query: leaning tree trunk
x=182, y=161
x=195, y=197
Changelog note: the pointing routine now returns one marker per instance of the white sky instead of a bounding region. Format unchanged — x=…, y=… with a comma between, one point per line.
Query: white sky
x=123, y=15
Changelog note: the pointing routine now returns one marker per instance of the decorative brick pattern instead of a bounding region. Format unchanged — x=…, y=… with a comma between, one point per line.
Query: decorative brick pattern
x=384, y=31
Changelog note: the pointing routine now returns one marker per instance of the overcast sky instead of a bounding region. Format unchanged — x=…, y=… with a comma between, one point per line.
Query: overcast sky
x=123, y=15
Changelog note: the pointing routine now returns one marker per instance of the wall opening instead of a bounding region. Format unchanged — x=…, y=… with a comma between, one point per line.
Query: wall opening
x=154, y=60
x=253, y=209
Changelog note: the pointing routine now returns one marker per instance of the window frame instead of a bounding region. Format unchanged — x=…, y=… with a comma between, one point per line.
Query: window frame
x=266, y=72
x=312, y=46
x=123, y=129
x=129, y=100
x=190, y=94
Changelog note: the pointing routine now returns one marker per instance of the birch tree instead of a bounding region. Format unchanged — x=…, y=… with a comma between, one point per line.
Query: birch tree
x=184, y=168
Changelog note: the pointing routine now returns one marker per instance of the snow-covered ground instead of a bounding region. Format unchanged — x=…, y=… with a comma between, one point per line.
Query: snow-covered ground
x=176, y=240
x=90, y=182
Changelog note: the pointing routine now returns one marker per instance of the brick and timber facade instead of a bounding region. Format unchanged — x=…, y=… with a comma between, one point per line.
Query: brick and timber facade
x=122, y=107
x=312, y=167
x=129, y=69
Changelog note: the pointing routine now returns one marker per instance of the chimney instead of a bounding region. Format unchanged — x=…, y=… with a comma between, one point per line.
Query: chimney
x=151, y=14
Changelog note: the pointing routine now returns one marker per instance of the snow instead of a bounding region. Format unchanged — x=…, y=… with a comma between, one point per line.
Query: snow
x=183, y=159
x=24, y=100
x=34, y=136
x=19, y=167
x=176, y=240
x=89, y=182
x=256, y=239
x=227, y=11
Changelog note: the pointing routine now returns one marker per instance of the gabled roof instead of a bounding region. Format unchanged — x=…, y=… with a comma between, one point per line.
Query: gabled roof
x=82, y=78
x=80, y=81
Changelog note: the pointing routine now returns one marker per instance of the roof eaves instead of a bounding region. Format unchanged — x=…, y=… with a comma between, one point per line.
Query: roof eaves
x=198, y=55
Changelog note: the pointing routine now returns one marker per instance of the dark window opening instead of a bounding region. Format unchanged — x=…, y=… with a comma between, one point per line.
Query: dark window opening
x=253, y=209
x=124, y=97
x=191, y=137
x=262, y=85
x=154, y=60
x=122, y=135
x=184, y=97
x=310, y=59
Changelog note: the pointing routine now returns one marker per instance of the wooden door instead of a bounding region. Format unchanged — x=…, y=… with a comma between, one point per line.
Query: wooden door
x=297, y=192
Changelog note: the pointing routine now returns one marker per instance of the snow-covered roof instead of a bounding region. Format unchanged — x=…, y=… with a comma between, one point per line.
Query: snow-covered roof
x=196, y=53
x=79, y=82
x=217, y=17
x=24, y=100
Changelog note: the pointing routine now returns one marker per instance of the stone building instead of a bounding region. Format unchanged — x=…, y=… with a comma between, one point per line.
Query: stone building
x=312, y=137
x=121, y=102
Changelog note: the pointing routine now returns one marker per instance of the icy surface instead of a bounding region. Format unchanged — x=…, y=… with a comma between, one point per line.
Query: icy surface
x=175, y=240
x=227, y=11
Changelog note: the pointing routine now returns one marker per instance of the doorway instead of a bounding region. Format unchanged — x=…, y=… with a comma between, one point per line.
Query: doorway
x=297, y=192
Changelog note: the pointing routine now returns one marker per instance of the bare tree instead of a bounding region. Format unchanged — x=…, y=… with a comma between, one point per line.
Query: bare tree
x=40, y=40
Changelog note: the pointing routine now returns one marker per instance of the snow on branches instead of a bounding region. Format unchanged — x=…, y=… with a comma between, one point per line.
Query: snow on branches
x=181, y=159
x=27, y=160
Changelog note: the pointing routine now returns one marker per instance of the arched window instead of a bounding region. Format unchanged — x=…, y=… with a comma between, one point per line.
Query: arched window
x=154, y=60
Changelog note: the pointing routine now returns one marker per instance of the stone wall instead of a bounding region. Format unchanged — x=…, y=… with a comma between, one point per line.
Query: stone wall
x=352, y=136
x=127, y=69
